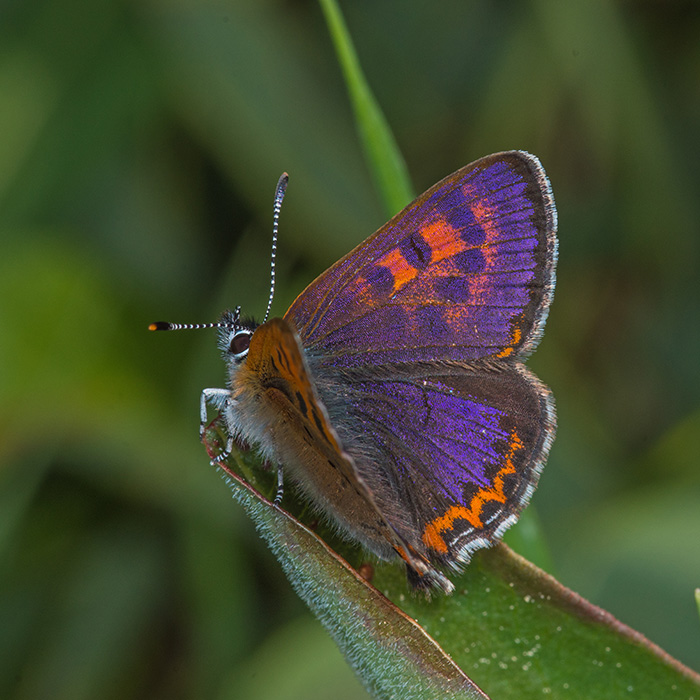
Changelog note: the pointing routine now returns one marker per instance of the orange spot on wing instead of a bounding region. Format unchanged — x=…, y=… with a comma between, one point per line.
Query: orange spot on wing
x=432, y=534
x=402, y=272
x=483, y=214
x=480, y=285
x=444, y=241
x=516, y=337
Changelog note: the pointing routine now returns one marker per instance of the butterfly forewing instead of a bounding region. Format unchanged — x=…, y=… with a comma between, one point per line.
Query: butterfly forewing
x=464, y=272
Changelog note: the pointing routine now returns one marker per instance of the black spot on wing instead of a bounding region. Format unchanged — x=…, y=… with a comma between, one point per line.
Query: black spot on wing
x=416, y=251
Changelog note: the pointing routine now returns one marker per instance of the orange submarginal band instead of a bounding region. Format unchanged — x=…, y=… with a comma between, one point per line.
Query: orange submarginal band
x=432, y=534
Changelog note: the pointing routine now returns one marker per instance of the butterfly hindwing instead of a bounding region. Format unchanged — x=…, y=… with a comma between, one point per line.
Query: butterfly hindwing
x=451, y=454
x=464, y=272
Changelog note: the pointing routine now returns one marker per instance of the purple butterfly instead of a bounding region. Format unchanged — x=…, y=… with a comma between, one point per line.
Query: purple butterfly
x=393, y=391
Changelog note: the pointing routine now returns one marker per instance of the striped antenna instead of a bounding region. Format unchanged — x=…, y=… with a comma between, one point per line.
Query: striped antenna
x=279, y=196
x=167, y=326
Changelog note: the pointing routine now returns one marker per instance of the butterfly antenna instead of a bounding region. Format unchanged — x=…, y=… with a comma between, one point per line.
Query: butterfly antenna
x=279, y=196
x=167, y=326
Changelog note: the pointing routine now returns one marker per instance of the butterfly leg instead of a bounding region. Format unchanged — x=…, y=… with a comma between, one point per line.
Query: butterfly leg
x=224, y=455
x=280, y=485
x=218, y=398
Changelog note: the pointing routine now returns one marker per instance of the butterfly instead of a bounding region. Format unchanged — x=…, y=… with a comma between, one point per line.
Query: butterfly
x=393, y=391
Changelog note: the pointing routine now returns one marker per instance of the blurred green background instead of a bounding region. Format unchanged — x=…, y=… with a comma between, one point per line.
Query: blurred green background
x=140, y=143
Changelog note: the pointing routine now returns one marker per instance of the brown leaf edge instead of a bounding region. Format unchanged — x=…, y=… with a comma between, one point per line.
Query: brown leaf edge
x=510, y=564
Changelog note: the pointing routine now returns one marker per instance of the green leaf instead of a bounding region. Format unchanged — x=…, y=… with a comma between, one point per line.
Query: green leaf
x=383, y=156
x=510, y=629
x=390, y=652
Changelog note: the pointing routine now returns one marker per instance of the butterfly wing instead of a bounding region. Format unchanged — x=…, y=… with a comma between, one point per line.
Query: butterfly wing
x=450, y=454
x=464, y=272
x=275, y=404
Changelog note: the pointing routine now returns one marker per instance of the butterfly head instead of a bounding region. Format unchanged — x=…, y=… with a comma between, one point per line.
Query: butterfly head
x=234, y=336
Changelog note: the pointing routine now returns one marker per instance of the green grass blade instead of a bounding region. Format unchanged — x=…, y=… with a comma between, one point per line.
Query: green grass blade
x=383, y=156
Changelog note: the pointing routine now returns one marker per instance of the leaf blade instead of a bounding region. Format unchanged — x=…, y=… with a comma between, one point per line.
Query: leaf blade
x=510, y=629
x=392, y=655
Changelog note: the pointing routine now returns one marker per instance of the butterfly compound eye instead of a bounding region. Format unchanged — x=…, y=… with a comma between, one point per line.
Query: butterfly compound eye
x=240, y=343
